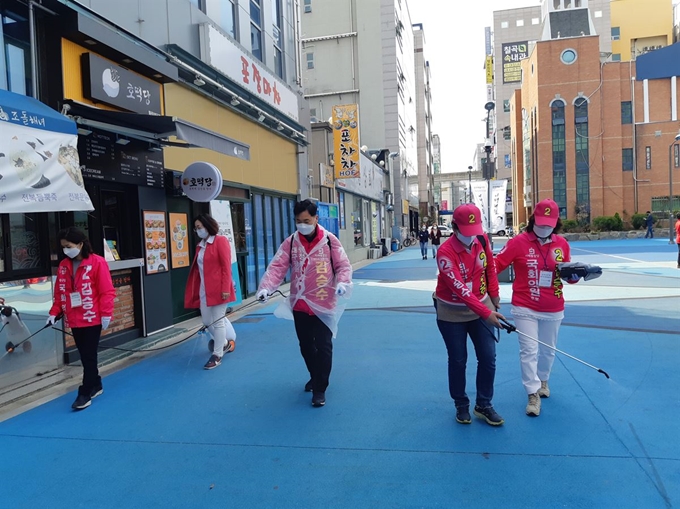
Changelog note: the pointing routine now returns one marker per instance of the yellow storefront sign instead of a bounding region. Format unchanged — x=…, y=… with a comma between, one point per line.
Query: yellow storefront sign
x=346, y=141
x=489, y=69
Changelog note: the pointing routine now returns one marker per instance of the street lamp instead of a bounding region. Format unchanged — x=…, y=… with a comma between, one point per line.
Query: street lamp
x=469, y=189
x=670, y=188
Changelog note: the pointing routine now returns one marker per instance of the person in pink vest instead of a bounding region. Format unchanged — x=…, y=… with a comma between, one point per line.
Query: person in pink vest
x=83, y=295
x=537, y=296
x=210, y=286
x=466, y=300
x=321, y=283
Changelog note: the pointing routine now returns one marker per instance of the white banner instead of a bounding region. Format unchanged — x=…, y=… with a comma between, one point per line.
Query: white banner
x=498, y=191
x=39, y=170
x=221, y=212
x=480, y=197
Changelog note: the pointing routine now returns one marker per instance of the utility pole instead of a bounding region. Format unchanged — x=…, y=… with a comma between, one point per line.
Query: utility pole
x=468, y=194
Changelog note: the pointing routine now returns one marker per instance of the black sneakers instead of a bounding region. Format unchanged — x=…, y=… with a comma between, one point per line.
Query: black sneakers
x=318, y=399
x=489, y=415
x=82, y=401
x=463, y=415
x=213, y=362
x=309, y=387
x=96, y=391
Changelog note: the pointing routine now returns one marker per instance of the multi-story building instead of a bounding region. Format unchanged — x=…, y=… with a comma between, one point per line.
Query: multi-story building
x=640, y=26
x=595, y=136
x=425, y=137
x=514, y=33
x=371, y=64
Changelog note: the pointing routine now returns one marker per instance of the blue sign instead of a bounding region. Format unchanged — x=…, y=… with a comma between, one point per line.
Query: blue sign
x=22, y=110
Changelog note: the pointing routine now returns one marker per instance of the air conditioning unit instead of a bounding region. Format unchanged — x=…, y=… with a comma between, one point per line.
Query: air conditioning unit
x=645, y=49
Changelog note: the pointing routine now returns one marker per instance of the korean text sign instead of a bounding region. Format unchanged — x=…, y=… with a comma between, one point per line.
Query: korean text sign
x=179, y=244
x=346, y=141
x=513, y=54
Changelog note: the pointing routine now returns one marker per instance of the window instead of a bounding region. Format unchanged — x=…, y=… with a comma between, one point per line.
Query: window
x=310, y=60
x=357, y=219
x=616, y=33
x=582, y=153
x=676, y=155
x=520, y=22
x=626, y=112
x=507, y=134
x=506, y=106
x=21, y=253
x=15, y=64
x=627, y=157
x=598, y=14
x=341, y=211
x=568, y=56
x=559, y=157
x=223, y=12
x=308, y=6
x=577, y=4
x=256, y=29
x=277, y=30
x=504, y=24
x=648, y=158
x=616, y=57
x=535, y=21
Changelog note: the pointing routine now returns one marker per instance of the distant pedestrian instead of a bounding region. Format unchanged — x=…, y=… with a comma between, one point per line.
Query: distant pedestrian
x=423, y=237
x=84, y=295
x=210, y=286
x=320, y=275
x=435, y=238
x=649, y=222
x=537, y=296
x=677, y=236
x=466, y=300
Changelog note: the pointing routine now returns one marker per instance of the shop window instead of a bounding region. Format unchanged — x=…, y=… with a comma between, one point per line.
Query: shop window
x=251, y=266
x=260, y=243
x=357, y=221
x=341, y=211
x=21, y=252
x=15, y=65
x=277, y=226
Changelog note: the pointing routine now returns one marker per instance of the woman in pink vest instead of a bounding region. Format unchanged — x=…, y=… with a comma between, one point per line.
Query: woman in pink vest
x=537, y=296
x=320, y=274
x=210, y=286
x=83, y=295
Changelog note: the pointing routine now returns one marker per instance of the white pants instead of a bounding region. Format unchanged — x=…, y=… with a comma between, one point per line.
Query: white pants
x=536, y=360
x=221, y=330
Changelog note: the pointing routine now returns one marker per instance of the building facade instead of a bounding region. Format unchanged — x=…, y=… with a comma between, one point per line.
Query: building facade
x=640, y=26
x=370, y=64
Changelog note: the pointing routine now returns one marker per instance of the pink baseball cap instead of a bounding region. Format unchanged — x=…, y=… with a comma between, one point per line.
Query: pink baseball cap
x=468, y=219
x=546, y=213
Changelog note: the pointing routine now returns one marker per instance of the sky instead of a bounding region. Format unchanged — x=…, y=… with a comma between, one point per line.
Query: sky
x=454, y=46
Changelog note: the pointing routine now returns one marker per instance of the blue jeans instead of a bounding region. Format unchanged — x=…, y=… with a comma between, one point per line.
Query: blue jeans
x=650, y=232
x=455, y=336
x=423, y=248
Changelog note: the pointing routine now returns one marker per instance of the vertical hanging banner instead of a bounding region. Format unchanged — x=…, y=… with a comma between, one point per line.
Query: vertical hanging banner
x=221, y=211
x=480, y=197
x=346, y=141
x=498, y=191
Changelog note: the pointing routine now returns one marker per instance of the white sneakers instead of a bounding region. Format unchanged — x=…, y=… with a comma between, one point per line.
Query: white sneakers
x=534, y=406
x=544, y=391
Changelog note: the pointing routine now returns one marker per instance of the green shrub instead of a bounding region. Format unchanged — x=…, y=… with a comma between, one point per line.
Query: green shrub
x=607, y=223
x=638, y=221
x=570, y=225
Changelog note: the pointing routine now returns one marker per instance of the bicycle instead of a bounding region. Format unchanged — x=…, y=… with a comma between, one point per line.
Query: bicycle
x=410, y=240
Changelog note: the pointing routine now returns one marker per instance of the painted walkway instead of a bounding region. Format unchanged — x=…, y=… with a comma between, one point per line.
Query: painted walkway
x=168, y=434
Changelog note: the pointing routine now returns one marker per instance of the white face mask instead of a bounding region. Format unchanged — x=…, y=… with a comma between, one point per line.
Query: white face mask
x=202, y=233
x=304, y=228
x=465, y=240
x=71, y=252
x=543, y=232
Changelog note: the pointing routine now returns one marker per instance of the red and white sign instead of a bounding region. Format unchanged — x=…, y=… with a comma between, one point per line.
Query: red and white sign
x=225, y=56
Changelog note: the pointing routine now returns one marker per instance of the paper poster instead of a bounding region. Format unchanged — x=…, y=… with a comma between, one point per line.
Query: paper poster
x=221, y=212
x=179, y=246
x=155, y=242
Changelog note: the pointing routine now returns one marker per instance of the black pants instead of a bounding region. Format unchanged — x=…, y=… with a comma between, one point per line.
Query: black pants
x=87, y=341
x=316, y=346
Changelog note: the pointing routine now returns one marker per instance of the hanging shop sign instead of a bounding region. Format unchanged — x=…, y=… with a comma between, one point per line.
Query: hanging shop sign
x=202, y=182
x=39, y=164
x=513, y=54
x=106, y=82
x=155, y=241
x=346, y=141
x=248, y=72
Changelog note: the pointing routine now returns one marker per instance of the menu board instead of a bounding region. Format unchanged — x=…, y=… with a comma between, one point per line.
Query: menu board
x=133, y=163
x=155, y=242
x=179, y=241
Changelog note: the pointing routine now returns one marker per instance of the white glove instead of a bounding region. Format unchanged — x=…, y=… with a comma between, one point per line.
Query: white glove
x=341, y=289
x=262, y=295
x=106, y=320
x=51, y=320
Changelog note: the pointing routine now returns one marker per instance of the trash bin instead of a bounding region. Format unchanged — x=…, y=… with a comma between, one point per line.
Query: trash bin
x=395, y=245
